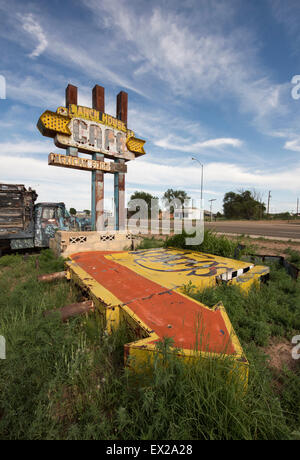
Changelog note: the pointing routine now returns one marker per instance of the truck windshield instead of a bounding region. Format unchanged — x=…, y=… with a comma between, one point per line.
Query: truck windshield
x=49, y=213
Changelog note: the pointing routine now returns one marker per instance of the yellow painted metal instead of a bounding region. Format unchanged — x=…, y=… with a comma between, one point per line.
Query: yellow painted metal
x=51, y=123
x=171, y=271
x=251, y=277
x=104, y=301
x=175, y=268
x=86, y=113
x=136, y=145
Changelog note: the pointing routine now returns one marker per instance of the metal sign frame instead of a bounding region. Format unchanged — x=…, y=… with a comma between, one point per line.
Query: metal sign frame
x=92, y=131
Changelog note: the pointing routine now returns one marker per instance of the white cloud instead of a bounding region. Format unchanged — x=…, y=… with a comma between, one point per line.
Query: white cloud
x=220, y=175
x=293, y=145
x=189, y=146
x=34, y=92
x=190, y=54
x=31, y=26
x=73, y=187
x=25, y=148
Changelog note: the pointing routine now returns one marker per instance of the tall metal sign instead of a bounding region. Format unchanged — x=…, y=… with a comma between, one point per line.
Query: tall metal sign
x=92, y=131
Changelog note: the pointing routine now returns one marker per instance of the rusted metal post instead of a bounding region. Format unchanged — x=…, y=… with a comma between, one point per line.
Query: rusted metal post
x=71, y=95
x=52, y=276
x=122, y=106
x=98, y=176
x=98, y=98
x=71, y=98
x=97, y=196
x=119, y=193
x=73, y=309
x=119, y=178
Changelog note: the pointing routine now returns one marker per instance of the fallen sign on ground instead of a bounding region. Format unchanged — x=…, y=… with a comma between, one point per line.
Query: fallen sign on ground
x=145, y=288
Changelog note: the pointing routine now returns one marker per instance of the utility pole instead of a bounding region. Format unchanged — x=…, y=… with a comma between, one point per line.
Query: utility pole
x=269, y=197
x=213, y=199
x=297, y=206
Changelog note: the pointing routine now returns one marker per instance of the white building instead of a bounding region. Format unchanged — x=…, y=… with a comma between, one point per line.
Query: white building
x=187, y=213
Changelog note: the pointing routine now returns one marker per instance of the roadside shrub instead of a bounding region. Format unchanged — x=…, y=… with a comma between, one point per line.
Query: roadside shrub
x=49, y=263
x=212, y=243
x=10, y=260
x=148, y=243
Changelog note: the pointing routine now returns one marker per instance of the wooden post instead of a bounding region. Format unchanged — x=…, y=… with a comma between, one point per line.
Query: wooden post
x=98, y=176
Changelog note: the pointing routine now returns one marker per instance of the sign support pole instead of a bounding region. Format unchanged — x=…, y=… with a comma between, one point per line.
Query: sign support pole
x=119, y=195
x=71, y=98
x=98, y=176
x=119, y=178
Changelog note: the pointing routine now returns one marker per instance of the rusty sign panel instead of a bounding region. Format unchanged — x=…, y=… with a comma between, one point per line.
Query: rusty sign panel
x=146, y=290
x=68, y=161
x=90, y=131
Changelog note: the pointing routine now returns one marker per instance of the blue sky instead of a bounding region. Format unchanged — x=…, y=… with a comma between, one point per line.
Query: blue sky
x=210, y=79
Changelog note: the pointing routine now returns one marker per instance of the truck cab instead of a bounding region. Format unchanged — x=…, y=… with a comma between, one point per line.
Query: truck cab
x=49, y=217
x=24, y=224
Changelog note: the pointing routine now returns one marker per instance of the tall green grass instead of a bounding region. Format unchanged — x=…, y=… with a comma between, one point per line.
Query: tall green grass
x=148, y=243
x=67, y=381
x=293, y=256
x=212, y=243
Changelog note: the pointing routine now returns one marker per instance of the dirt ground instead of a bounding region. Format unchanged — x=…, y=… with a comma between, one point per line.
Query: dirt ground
x=265, y=246
x=262, y=245
x=280, y=354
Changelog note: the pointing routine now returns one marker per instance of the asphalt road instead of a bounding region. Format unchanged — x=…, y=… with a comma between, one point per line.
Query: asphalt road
x=261, y=228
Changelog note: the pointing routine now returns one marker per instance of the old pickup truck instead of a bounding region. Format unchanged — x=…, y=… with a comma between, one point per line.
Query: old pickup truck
x=24, y=224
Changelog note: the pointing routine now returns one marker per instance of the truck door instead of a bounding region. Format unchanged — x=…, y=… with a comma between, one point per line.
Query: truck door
x=46, y=223
x=49, y=217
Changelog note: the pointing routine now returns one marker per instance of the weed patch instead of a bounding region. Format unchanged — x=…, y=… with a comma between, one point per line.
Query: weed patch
x=68, y=381
x=212, y=243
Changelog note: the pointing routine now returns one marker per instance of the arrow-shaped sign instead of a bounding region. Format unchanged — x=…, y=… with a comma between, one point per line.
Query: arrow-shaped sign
x=136, y=145
x=51, y=123
x=144, y=288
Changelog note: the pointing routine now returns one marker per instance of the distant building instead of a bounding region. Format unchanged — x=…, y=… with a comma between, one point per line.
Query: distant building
x=187, y=213
x=208, y=214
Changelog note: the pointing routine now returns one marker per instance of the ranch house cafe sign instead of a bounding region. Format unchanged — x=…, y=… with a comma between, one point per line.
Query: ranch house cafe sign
x=92, y=131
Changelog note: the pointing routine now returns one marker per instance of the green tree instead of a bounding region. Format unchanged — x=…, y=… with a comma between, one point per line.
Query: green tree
x=243, y=205
x=87, y=211
x=73, y=211
x=171, y=195
x=147, y=197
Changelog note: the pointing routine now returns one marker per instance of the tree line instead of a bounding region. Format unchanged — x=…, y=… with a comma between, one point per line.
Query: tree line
x=243, y=204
